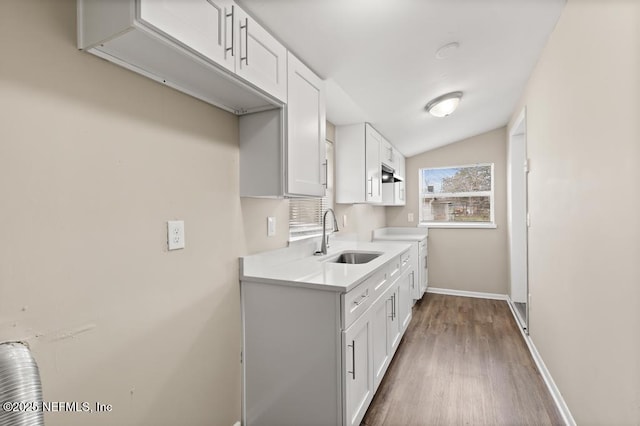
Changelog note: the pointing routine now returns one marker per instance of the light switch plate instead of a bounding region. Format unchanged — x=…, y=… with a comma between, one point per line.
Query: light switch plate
x=271, y=226
x=175, y=234
x=410, y=217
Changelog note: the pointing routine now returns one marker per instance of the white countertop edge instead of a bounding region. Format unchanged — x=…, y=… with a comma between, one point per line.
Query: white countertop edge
x=280, y=267
x=299, y=284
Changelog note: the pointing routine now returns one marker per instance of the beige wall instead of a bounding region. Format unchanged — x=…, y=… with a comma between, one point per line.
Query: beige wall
x=255, y=212
x=583, y=136
x=463, y=259
x=94, y=160
x=362, y=219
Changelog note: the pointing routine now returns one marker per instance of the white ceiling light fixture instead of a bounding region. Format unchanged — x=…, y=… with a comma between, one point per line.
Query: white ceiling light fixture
x=444, y=105
x=447, y=50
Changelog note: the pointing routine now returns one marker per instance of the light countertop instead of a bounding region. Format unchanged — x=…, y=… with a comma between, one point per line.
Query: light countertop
x=400, y=234
x=297, y=266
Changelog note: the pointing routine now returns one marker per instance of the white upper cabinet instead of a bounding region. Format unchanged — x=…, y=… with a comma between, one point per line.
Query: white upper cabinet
x=400, y=164
x=283, y=152
x=373, y=141
x=208, y=49
x=306, y=131
x=393, y=193
x=358, y=166
x=387, y=154
x=260, y=58
x=199, y=24
x=399, y=190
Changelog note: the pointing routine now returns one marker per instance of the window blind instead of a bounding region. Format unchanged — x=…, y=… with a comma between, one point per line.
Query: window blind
x=305, y=217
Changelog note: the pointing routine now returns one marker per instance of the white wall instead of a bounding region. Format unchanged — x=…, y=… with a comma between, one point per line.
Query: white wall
x=583, y=137
x=463, y=259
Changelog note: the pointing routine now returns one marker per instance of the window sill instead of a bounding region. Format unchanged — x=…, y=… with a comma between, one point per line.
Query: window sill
x=457, y=225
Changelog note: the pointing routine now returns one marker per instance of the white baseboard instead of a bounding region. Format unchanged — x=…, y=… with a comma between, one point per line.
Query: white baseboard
x=546, y=375
x=464, y=293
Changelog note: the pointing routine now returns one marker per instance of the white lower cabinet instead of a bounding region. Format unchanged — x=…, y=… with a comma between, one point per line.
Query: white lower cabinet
x=394, y=331
x=314, y=356
x=357, y=369
x=405, y=300
x=381, y=347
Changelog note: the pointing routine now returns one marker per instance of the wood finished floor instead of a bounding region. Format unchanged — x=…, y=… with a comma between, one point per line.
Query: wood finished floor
x=462, y=361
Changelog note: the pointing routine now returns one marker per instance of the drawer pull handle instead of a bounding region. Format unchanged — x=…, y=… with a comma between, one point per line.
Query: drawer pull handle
x=233, y=31
x=353, y=359
x=245, y=27
x=361, y=299
x=393, y=307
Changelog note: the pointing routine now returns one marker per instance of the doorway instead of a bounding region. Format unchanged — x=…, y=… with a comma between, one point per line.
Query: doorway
x=517, y=170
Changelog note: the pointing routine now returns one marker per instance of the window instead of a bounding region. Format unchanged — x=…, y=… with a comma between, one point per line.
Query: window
x=305, y=217
x=459, y=196
x=305, y=214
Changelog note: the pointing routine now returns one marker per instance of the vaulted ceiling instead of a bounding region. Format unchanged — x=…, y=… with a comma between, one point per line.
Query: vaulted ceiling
x=380, y=59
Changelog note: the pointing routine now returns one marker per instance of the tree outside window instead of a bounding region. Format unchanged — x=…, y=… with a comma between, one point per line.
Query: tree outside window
x=462, y=194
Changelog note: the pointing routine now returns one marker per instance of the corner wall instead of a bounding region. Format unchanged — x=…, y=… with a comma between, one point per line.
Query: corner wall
x=583, y=138
x=463, y=259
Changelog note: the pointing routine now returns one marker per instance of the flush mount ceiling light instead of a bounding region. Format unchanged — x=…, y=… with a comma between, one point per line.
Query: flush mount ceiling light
x=444, y=105
x=447, y=50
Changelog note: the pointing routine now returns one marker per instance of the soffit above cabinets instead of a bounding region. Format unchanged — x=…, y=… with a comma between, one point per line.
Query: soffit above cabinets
x=379, y=58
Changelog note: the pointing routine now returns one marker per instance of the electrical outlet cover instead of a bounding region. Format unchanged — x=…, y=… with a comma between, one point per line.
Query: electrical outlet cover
x=175, y=234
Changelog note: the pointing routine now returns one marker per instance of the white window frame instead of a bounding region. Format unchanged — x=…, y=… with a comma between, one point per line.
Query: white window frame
x=491, y=224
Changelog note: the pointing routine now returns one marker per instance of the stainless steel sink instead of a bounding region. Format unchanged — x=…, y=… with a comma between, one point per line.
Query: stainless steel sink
x=355, y=257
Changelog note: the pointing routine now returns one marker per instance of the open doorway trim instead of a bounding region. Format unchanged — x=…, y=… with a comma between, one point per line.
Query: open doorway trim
x=517, y=219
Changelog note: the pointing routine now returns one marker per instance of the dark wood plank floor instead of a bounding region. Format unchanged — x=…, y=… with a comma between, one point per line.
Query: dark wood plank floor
x=462, y=361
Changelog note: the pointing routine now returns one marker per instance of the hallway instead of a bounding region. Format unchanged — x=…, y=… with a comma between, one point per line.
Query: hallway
x=462, y=362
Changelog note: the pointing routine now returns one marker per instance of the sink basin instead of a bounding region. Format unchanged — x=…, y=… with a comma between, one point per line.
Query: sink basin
x=355, y=257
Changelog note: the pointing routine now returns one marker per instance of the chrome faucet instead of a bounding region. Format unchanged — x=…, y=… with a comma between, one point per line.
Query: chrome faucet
x=325, y=237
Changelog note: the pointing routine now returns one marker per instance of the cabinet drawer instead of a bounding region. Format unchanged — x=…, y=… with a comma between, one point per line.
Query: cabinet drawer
x=405, y=261
x=356, y=302
x=394, y=268
x=380, y=282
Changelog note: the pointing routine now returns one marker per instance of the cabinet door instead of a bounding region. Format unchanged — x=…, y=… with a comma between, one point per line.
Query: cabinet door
x=200, y=25
x=399, y=190
x=424, y=267
x=358, y=375
x=399, y=194
x=306, y=127
x=393, y=321
x=386, y=153
x=260, y=58
x=381, y=353
x=373, y=142
x=405, y=300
